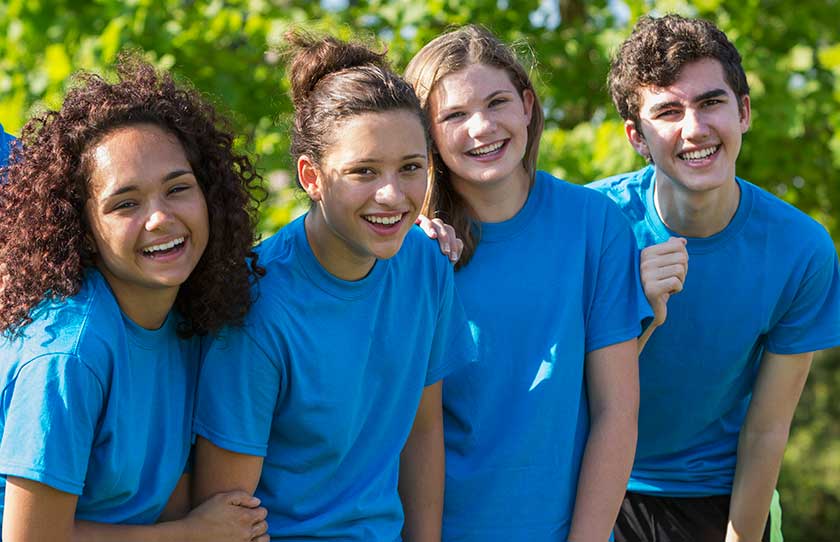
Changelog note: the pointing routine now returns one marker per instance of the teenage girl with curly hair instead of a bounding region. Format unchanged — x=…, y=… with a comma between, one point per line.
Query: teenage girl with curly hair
x=126, y=231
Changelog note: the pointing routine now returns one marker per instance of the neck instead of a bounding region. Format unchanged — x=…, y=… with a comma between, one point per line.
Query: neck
x=496, y=201
x=145, y=307
x=332, y=252
x=696, y=214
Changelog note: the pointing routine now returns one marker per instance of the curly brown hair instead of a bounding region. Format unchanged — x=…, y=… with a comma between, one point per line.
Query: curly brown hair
x=657, y=50
x=448, y=53
x=43, y=252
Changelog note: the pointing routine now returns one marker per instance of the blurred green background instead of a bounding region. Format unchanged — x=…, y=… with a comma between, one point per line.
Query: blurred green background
x=229, y=50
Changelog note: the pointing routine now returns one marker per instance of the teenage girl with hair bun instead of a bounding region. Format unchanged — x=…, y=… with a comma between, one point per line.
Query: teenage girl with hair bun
x=540, y=432
x=328, y=400
x=126, y=226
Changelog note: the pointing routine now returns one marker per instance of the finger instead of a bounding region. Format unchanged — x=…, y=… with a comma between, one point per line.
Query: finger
x=675, y=270
x=455, y=255
x=674, y=244
x=427, y=226
x=259, y=529
x=263, y=538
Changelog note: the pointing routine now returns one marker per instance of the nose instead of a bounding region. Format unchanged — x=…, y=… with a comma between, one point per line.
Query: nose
x=157, y=219
x=389, y=193
x=479, y=124
x=694, y=126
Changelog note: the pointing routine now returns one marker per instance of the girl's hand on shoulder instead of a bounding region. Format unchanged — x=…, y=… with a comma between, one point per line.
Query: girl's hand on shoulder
x=448, y=240
x=232, y=516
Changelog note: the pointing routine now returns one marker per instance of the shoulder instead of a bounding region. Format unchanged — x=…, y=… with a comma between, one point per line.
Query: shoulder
x=588, y=207
x=792, y=226
x=624, y=186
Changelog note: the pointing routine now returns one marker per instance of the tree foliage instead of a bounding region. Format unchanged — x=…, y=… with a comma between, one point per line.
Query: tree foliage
x=232, y=51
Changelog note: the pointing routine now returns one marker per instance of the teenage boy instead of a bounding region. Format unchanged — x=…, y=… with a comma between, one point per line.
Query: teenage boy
x=721, y=378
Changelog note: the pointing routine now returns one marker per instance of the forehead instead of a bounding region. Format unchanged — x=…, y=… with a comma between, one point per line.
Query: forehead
x=695, y=79
x=387, y=135
x=135, y=153
x=475, y=82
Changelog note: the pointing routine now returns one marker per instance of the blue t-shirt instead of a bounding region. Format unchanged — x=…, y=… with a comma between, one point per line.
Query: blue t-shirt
x=767, y=282
x=5, y=146
x=324, y=381
x=94, y=405
x=553, y=283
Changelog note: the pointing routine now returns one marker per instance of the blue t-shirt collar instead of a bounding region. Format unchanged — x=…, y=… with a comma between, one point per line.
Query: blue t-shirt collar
x=696, y=245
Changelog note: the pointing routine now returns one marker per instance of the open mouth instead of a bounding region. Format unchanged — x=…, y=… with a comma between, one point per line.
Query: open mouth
x=488, y=150
x=698, y=154
x=163, y=249
x=383, y=220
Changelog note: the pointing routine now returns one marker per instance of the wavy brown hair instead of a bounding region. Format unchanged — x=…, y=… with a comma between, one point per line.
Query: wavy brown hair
x=452, y=52
x=657, y=50
x=43, y=252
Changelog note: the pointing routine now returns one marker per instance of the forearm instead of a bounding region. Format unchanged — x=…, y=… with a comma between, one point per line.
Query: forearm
x=605, y=468
x=421, y=486
x=170, y=531
x=756, y=473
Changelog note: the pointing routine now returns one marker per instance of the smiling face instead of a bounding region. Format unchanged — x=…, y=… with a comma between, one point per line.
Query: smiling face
x=147, y=215
x=692, y=129
x=479, y=122
x=367, y=188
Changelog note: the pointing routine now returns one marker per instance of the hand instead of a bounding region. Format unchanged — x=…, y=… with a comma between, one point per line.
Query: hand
x=448, y=240
x=233, y=516
x=663, y=269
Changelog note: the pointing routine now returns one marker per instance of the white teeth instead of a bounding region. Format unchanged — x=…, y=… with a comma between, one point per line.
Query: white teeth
x=386, y=220
x=698, y=155
x=487, y=149
x=164, y=246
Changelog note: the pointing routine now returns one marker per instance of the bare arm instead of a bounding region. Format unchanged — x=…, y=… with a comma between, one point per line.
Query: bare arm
x=34, y=512
x=762, y=442
x=218, y=470
x=422, y=470
x=663, y=269
x=612, y=376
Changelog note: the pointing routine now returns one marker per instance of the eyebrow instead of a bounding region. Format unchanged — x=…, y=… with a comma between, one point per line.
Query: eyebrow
x=378, y=160
x=131, y=187
x=699, y=98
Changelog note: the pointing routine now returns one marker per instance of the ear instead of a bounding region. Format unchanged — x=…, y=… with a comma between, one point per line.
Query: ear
x=636, y=138
x=528, y=102
x=745, y=113
x=310, y=177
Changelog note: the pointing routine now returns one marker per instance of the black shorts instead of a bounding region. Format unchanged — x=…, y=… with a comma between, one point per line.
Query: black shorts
x=648, y=518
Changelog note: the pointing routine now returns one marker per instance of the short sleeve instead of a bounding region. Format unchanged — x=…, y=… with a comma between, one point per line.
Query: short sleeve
x=238, y=389
x=618, y=301
x=812, y=321
x=50, y=411
x=452, y=345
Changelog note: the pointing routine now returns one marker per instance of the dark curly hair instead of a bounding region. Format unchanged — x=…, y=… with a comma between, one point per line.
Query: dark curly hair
x=656, y=52
x=43, y=251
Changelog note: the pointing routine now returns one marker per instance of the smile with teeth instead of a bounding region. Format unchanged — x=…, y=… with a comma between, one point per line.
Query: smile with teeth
x=486, y=149
x=699, y=155
x=164, y=246
x=384, y=220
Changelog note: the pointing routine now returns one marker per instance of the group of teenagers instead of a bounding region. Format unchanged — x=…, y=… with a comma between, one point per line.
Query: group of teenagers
x=163, y=378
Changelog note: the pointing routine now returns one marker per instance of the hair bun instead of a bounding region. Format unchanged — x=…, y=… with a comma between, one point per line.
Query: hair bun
x=314, y=58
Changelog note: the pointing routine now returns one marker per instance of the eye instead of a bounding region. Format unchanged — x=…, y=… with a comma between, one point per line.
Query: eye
x=124, y=205
x=362, y=171
x=453, y=115
x=179, y=188
x=667, y=113
x=412, y=167
x=497, y=101
x=713, y=101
